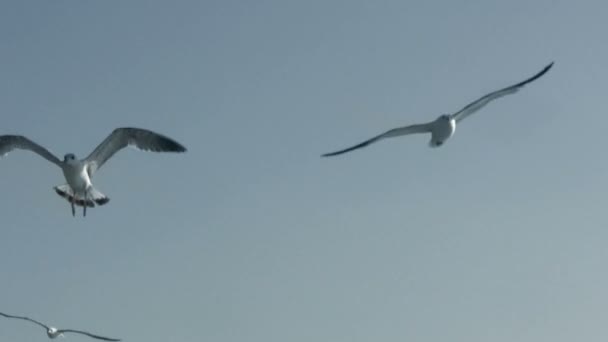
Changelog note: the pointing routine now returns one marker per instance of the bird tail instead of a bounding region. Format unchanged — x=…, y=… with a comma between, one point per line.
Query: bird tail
x=97, y=196
x=433, y=143
x=94, y=196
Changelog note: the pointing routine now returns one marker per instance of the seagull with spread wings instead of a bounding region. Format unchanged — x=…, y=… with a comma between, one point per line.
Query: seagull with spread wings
x=78, y=172
x=54, y=332
x=443, y=127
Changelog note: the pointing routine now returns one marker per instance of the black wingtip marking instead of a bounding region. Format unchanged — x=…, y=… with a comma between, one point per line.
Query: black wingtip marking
x=170, y=145
x=358, y=146
x=535, y=77
x=331, y=154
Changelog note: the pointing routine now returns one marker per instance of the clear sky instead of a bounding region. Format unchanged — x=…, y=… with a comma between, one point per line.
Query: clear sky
x=499, y=235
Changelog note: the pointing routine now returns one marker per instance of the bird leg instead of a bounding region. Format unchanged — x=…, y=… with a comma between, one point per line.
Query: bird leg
x=84, y=211
x=72, y=204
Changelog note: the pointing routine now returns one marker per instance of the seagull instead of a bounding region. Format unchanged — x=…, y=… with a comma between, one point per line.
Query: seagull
x=78, y=172
x=443, y=127
x=54, y=332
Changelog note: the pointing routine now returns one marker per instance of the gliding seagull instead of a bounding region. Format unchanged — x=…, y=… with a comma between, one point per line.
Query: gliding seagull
x=78, y=173
x=54, y=332
x=443, y=127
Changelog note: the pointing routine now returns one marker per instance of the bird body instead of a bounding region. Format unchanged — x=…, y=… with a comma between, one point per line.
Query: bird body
x=442, y=129
x=53, y=333
x=75, y=173
x=79, y=190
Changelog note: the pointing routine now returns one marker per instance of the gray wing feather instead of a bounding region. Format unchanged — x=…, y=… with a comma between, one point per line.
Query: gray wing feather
x=25, y=318
x=11, y=142
x=88, y=334
x=122, y=137
x=412, y=129
x=479, y=103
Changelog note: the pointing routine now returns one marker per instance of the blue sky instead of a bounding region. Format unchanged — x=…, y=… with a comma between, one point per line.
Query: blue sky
x=497, y=236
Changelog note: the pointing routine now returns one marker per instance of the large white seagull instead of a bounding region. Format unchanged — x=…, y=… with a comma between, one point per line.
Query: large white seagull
x=78, y=172
x=443, y=127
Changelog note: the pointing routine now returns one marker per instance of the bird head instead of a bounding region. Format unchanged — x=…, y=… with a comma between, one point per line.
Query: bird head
x=445, y=117
x=69, y=157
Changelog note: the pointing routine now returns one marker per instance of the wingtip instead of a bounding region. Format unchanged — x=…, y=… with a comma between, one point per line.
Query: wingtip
x=544, y=71
x=332, y=154
x=174, y=146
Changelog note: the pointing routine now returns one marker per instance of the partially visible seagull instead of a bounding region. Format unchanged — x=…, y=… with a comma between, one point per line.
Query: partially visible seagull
x=54, y=332
x=78, y=172
x=443, y=127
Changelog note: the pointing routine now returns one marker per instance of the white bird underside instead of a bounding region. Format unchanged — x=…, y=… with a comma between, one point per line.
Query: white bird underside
x=78, y=173
x=443, y=127
x=53, y=332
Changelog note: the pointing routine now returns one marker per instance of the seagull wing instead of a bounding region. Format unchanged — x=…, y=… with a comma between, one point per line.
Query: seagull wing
x=479, y=103
x=412, y=129
x=88, y=334
x=11, y=142
x=122, y=137
x=25, y=318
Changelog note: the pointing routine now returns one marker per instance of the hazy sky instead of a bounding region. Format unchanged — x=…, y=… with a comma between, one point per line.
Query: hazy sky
x=499, y=235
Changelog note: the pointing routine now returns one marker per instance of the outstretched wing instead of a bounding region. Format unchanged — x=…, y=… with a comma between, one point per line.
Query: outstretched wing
x=11, y=142
x=88, y=334
x=122, y=137
x=479, y=103
x=412, y=129
x=25, y=318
